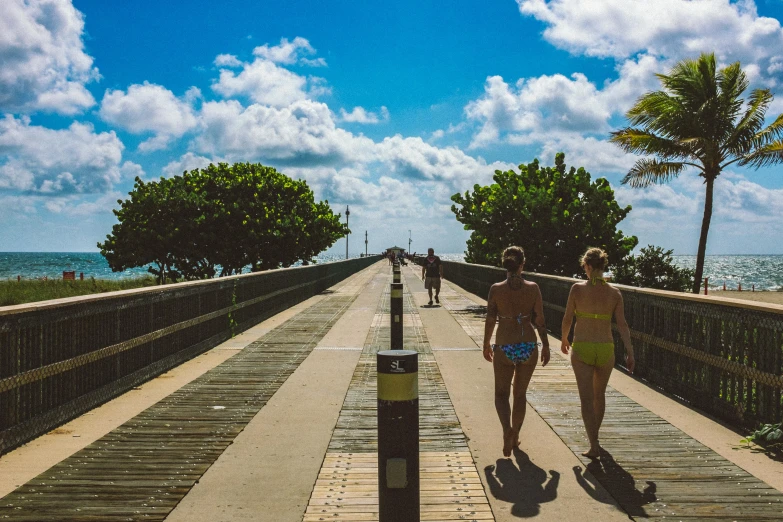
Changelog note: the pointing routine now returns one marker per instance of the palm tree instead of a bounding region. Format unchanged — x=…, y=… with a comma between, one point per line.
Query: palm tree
x=698, y=121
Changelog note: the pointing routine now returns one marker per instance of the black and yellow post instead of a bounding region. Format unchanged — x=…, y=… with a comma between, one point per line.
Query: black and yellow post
x=398, y=436
x=396, y=276
x=396, y=316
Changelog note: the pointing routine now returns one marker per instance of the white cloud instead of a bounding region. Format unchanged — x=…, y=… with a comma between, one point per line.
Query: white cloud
x=227, y=60
x=78, y=206
x=674, y=29
x=302, y=133
x=264, y=81
x=72, y=160
x=150, y=108
x=188, y=162
x=416, y=160
x=360, y=115
x=289, y=53
x=44, y=66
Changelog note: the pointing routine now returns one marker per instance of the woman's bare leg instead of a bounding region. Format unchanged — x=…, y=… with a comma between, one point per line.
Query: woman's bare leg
x=584, y=382
x=504, y=373
x=600, y=381
x=522, y=376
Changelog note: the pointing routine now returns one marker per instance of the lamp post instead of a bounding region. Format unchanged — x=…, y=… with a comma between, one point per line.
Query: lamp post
x=347, y=213
x=409, y=242
x=365, y=243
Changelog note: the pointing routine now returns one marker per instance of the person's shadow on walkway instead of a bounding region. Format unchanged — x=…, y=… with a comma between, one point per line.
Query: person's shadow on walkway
x=522, y=483
x=618, y=482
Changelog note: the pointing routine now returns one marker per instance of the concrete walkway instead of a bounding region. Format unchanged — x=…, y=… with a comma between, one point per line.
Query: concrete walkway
x=270, y=470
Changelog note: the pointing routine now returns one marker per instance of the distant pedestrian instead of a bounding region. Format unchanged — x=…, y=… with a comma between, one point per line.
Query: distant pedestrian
x=514, y=304
x=593, y=303
x=431, y=274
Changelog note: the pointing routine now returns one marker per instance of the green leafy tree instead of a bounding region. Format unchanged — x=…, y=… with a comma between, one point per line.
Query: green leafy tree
x=554, y=213
x=700, y=120
x=145, y=232
x=226, y=217
x=653, y=268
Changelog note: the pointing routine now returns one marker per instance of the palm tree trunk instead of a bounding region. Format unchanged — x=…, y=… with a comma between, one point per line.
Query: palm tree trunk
x=705, y=228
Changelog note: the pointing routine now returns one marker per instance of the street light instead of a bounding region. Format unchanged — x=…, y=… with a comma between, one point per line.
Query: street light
x=347, y=213
x=365, y=243
x=409, y=242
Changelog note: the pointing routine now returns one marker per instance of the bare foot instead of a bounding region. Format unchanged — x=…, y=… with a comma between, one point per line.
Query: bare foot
x=592, y=453
x=515, y=435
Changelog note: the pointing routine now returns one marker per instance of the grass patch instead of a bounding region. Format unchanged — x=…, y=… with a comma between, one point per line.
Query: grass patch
x=29, y=291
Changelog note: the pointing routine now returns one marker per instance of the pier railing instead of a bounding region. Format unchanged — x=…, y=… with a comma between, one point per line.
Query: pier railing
x=59, y=359
x=724, y=356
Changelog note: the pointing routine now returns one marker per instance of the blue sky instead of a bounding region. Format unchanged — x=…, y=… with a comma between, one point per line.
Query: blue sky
x=389, y=108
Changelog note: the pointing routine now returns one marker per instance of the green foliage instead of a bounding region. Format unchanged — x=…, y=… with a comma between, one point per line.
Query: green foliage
x=769, y=436
x=700, y=120
x=554, y=213
x=653, y=268
x=13, y=292
x=221, y=217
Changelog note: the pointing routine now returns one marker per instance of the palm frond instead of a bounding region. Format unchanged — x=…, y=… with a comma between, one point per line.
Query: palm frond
x=743, y=136
x=770, y=154
x=641, y=141
x=646, y=172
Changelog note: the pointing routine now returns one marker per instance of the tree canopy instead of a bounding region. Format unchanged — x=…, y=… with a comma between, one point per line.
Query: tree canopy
x=554, y=213
x=698, y=121
x=221, y=217
x=653, y=267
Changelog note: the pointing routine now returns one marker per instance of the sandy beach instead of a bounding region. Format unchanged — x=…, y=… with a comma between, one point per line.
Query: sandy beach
x=764, y=297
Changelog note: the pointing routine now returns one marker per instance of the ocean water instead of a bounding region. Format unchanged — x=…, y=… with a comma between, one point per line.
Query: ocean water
x=36, y=265
x=763, y=272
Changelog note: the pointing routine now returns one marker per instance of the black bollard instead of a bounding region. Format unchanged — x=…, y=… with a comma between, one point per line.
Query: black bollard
x=398, y=436
x=396, y=316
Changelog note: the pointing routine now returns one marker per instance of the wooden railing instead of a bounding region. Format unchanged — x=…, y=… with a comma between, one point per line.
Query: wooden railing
x=61, y=358
x=724, y=356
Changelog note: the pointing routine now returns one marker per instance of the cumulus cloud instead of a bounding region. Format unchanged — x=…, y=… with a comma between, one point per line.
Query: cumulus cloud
x=415, y=159
x=53, y=162
x=302, y=133
x=265, y=81
x=621, y=29
x=150, y=108
x=360, y=115
x=44, y=66
x=188, y=162
x=545, y=108
x=78, y=206
x=290, y=53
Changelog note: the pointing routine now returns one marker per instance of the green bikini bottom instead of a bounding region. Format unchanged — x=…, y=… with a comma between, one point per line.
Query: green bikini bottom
x=596, y=354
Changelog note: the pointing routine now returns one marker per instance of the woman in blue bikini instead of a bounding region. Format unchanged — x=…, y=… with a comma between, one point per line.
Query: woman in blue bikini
x=511, y=304
x=593, y=302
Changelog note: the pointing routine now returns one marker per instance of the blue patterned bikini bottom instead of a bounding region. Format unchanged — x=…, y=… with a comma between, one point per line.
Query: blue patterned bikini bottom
x=517, y=352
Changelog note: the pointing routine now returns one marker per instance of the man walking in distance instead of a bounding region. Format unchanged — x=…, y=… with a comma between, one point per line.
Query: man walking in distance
x=431, y=273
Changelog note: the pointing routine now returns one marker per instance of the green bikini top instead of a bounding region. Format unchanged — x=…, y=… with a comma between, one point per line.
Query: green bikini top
x=603, y=317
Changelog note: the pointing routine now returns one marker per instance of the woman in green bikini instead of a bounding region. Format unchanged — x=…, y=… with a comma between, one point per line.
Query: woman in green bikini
x=594, y=302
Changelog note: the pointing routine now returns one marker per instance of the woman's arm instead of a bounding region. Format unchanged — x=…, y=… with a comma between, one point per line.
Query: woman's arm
x=489, y=323
x=568, y=318
x=538, y=309
x=625, y=333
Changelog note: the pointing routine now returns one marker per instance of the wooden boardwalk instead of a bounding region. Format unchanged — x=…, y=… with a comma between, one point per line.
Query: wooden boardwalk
x=142, y=469
x=651, y=468
x=347, y=486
